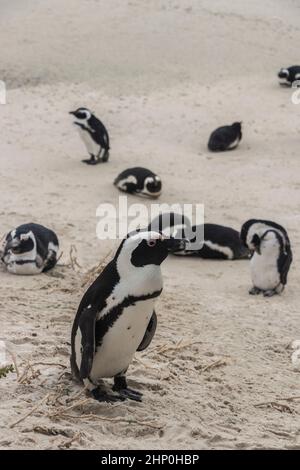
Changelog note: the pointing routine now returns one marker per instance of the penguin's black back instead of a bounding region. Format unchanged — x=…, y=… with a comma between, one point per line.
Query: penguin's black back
x=223, y=137
x=100, y=136
x=95, y=296
x=225, y=237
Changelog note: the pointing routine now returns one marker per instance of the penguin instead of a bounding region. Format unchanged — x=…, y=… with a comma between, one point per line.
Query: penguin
x=287, y=76
x=30, y=249
x=94, y=135
x=116, y=316
x=139, y=181
x=225, y=138
x=254, y=227
x=270, y=263
x=217, y=241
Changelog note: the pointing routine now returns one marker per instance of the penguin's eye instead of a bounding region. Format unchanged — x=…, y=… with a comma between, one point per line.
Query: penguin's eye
x=151, y=243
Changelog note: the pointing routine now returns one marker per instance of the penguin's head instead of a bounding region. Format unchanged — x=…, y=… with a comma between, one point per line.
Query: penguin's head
x=283, y=73
x=147, y=248
x=152, y=186
x=237, y=126
x=82, y=115
x=20, y=243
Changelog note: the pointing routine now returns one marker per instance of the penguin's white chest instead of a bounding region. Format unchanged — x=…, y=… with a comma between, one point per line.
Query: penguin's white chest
x=234, y=144
x=90, y=144
x=264, y=271
x=122, y=340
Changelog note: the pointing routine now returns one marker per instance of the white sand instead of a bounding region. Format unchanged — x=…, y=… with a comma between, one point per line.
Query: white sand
x=162, y=76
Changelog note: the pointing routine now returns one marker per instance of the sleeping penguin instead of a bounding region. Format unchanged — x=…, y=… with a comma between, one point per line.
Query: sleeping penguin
x=287, y=76
x=208, y=241
x=94, y=135
x=139, y=181
x=116, y=315
x=270, y=263
x=30, y=249
x=225, y=138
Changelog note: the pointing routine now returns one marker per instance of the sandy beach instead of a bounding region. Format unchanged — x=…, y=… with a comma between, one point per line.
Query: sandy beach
x=161, y=76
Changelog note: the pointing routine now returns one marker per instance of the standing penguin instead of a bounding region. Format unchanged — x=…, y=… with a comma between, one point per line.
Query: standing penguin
x=94, y=135
x=139, y=181
x=270, y=263
x=116, y=315
x=30, y=249
x=214, y=241
x=289, y=75
x=225, y=138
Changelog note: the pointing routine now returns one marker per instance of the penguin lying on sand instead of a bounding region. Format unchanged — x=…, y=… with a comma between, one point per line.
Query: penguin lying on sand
x=140, y=181
x=116, y=315
x=94, y=135
x=30, y=249
x=272, y=256
x=289, y=75
x=219, y=242
x=225, y=138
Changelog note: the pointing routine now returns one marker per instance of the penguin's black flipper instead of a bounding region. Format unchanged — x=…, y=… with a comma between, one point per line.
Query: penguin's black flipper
x=87, y=322
x=151, y=328
x=284, y=263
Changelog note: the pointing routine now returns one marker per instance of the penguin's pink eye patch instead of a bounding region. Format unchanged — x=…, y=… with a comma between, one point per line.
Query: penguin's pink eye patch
x=151, y=243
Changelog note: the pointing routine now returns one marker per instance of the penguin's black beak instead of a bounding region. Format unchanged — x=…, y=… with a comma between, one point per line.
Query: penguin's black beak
x=72, y=112
x=176, y=244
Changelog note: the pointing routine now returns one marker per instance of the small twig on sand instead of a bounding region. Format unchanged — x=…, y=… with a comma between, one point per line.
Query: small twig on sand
x=113, y=420
x=73, y=258
x=276, y=400
x=67, y=444
x=213, y=365
x=63, y=410
x=55, y=364
x=57, y=260
x=26, y=377
x=275, y=405
x=95, y=270
x=30, y=412
x=176, y=347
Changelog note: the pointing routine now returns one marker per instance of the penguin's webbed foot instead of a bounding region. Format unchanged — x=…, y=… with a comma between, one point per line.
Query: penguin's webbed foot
x=254, y=291
x=269, y=293
x=103, y=396
x=120, y=386
x=129, y=393
x=90, y=161
x=105, y=157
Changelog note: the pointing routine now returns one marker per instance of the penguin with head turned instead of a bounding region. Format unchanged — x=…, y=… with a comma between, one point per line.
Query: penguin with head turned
x=94, y=135
x=30, y=249
x=272, y=255
x=116, y=315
